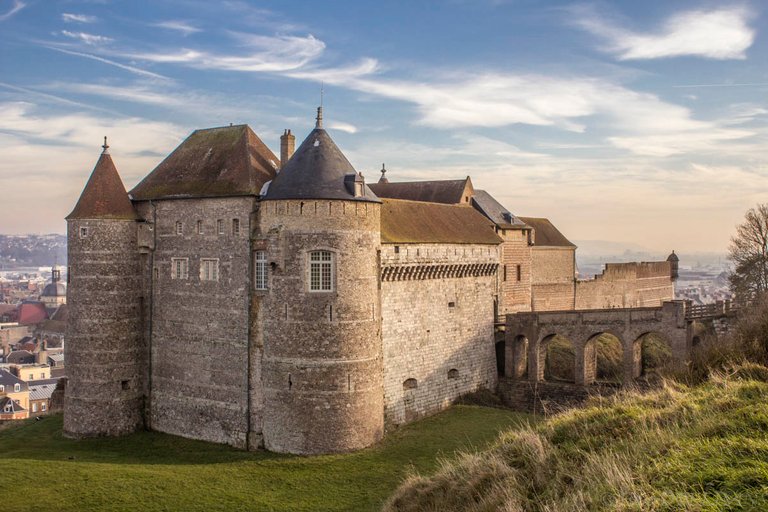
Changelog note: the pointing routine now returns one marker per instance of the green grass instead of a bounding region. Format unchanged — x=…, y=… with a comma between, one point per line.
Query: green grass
x=674, y=449
x=149, y=471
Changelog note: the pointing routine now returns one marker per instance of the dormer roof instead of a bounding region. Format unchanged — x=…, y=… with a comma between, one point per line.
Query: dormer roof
x=214, y=162
x=316, y=170
x=104, y=196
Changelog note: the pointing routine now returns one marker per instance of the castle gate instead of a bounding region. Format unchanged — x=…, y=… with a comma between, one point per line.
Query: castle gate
x=528, y=336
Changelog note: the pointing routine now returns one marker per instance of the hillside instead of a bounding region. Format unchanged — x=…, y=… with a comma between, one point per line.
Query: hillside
x=678, y=448
x=149, y=471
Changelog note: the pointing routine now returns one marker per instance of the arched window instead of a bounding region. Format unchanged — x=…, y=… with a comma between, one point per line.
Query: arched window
x=17, y=387
x=321, y=271
x=453, y=373
x=410, y=384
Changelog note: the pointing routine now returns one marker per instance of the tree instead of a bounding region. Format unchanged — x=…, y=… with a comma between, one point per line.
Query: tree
x=749, y=253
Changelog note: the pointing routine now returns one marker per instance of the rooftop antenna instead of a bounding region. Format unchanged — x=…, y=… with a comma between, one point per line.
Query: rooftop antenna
x=105, y=147
x=319, y=119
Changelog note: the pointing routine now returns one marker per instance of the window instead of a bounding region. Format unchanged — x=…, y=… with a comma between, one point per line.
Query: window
x=42, y=375
x=519, y=272
x=199, y=227
x=220, y=227
x=43, y=406
x=209, y=269
x=321, y=271
x=83, y=232
x=505, y=273
x=179, y=228
x=179, y=268
x=410, y=384
x=235, y=227
x=453, y=373
x=31, y=376
x=260, y=270
x=8, y=407
x=17, y=387
x=34, y=407
x=2, y=388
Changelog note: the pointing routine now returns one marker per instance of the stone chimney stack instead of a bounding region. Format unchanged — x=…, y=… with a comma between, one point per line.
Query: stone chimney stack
x=287, y=145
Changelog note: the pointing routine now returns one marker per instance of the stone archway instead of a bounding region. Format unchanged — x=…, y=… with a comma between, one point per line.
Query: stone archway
x=557, y=359
x=653, y=352
x=603, y=358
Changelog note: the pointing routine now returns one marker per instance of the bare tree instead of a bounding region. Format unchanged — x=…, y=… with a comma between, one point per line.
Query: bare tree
x=749, y=253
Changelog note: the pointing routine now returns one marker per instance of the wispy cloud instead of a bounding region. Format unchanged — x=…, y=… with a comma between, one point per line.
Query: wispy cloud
x=265, y=54
x=78, y=18
x=342, y=127
x=133, y=93
x=90, y=39
x=179, y=26
x=715, y=34
x=132, y=69
x=50, y=97
x=16, y=7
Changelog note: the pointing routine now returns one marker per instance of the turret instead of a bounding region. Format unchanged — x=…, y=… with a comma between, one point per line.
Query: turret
x=105, y=352
x=674, y=262
x=322, y=359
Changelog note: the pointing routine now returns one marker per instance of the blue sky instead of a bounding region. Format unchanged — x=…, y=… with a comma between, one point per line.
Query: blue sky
x=637, y=122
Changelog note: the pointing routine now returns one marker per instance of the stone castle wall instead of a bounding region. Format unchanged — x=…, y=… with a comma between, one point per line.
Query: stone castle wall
x=552, y=278
x=437, y=325
x=106, y=352
x=322, y=365
x=200, y=328
x=514, y=293
x=627, y=285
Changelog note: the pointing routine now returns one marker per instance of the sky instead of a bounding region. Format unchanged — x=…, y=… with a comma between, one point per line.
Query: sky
x=642, y=123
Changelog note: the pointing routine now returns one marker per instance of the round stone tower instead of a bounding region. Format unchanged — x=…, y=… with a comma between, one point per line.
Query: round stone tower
x=104, y=393
x=322, y=359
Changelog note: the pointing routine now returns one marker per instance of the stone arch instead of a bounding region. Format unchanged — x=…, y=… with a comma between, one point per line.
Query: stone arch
x=651, y=351
x=520, y=357
x=501, y=351
x=603, y=358
x=557, y=359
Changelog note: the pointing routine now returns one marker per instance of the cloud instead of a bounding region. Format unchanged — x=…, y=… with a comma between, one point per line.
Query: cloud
x=715, y=34
x=133, y=93
x=90, y=39
x=342, y=127
x=179, y=26
x=16, y=7
x=266, y=54
x=78, y=18
x=132, y=69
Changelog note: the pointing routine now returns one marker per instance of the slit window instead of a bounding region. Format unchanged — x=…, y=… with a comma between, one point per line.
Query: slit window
x=209, y=269
x=199, y=227
x=84, y=232
x=260, y=270
x=519, y=272
x=220, y=227
x=321, y=271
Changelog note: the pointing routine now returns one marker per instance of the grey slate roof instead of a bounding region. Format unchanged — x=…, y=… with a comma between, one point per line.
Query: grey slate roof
x=42, y=389
x=316, y=171
x=9, y=380
x=494, y=210
x=15, y=406
x=439, y=191
x=546, y=234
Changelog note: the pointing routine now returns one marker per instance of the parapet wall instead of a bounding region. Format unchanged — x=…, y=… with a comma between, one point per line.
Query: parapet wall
x=626, y=285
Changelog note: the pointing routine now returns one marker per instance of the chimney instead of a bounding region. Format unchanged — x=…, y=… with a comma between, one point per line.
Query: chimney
x=287, y=145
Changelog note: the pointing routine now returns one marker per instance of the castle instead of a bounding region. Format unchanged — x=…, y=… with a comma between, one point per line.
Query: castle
x=237, y=298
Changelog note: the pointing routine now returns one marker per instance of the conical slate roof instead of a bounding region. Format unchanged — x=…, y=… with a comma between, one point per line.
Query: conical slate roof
x=104, y=196
x=215, y=162
x=316, y=171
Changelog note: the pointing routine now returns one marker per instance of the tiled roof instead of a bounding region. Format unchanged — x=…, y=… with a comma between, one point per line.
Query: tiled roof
x=31, y=313
x=215, y=162
x=20, y=357
x=422, y=222
x=317, y=170
x=486, y=204
x=104, y=196
x=546, y=234
x=15, y=406
x=443, y=191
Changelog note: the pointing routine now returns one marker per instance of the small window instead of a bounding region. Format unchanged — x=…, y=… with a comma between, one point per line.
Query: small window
x=397, y=249
x=453, y=373
x=34, y=407
x=260, y=270
x=220, y=227
x=125, y=385
x=83, y=232
x=2, y=388
x=410, y=384
x=179, y=268
x=179, y=228
x=44, y=406
x=31, y=376
x=505, y=273
x=321, y=271
x=17, y=387
x=519, y=272
x=235, y=227
x=209, y=269
x=199, y=227
x=451, y=304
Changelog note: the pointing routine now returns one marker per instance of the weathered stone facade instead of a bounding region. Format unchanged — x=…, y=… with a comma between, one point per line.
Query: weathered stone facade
x=437, y=325
x=553, y=278
x=627, y=285
x=515, y=271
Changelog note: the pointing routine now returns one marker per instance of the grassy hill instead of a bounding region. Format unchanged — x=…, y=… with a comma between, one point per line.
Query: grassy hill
x=692, y=449
x=154, y=472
